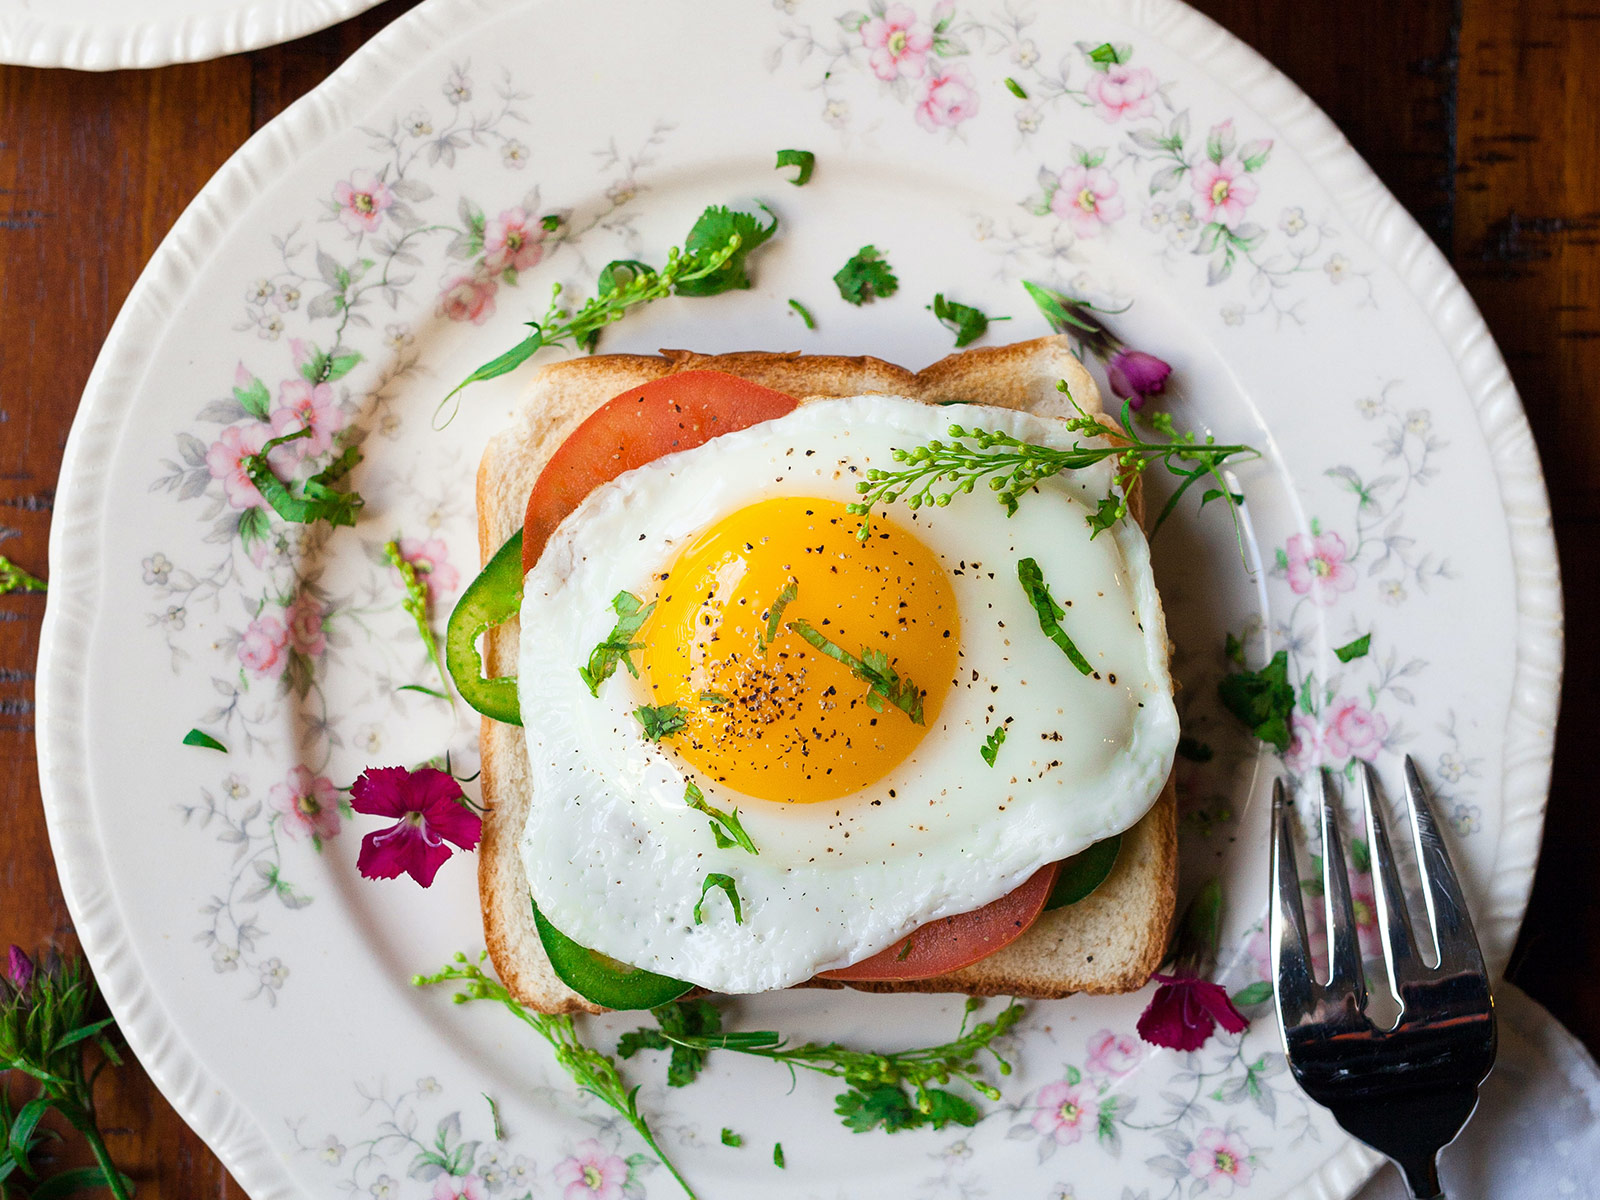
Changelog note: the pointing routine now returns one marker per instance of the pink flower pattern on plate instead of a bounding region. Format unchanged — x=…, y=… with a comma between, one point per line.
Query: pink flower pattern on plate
x=1062, y=1108
x=431, y=559
x=1352, y=730
x=948, y=98
x=304, y=618
x=592, y=1174
x=460, y=1187
x=1122, y=91
x=1305, y=744
x=468, y=298
x=899, y=44
x=1223, y=190
x=1221, y=1161
x=1112, y=1054
x=223, y=461
x=309, y=804
x=304, y=405
x=1086, y=199
x=1319, y=567
x=362, y=199
x=513, y=240
x=263, y=650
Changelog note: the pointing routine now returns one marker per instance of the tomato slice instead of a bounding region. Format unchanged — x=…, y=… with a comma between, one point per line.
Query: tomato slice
x=679, y=412
x=675, y=412
x=951, y=943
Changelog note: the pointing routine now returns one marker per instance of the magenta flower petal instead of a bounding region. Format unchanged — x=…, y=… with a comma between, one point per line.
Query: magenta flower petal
x=381, y=792
x=432, y=811
x=405, y=848
x=1213, y=998
x=440, y=799
x=1185, y=1011
x=21, y=968
x=1136, y=376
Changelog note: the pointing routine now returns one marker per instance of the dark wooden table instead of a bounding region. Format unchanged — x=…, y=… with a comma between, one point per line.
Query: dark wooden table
x=1483, y=117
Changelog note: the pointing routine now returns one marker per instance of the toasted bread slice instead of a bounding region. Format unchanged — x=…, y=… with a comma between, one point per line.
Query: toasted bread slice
x=1108, y=942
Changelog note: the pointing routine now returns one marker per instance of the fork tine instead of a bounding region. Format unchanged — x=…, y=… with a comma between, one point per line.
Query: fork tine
x=1453, y=936
x=1293, y=987
x=1344, y=950
x=1399, y=943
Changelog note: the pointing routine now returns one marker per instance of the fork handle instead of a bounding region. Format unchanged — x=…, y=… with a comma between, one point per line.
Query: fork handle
x=1422, y=1176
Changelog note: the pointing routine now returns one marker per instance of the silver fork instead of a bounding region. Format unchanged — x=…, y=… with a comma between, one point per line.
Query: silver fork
x=1406, y=1091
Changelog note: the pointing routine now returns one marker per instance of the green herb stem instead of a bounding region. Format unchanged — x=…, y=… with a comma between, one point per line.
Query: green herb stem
x=416, y=603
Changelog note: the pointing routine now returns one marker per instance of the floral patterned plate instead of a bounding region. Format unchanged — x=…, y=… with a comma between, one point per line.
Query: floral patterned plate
x=384, y=236
x=111, y=35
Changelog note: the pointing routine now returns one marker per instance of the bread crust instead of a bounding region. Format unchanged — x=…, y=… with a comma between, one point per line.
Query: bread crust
x=1109, y=942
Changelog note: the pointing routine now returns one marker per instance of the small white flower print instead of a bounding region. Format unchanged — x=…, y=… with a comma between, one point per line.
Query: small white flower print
x=389, y=425
x=260, y=292
x=370, y=739
x=269, y=327
x=331, y=1151
x=1392, y=591
x=1293, y=222
x=1155, y=217
x=514, y=154
x=273, y=974
x=1028, y=119
x=1452, y=766
x=287, y=299
x=225, y=959
x=427, y=1086
x=384, y=1187
x=836, y=113
x=1370, y=407
x=1025, y=53
x=1184, y=221
x=236, y=788
x=418, y=123
x=1337, y=267
x=173, y=619
x=1419, y=421
x=458, y=86
x=1233, y=314
x=397, y=337
x=1466, y=818
x=982, y=229
x=157, y=569
x=621, y=192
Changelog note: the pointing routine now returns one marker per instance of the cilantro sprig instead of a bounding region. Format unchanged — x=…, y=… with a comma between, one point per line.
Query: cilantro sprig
x=894, y=1091
x=592, y=1071
x=966, y=322
x=804, y=162
x=884, y=684
x=726, y=827
x=660, y=721
x=319, y=499
x=775, y=614
x=1009, y=467
x=713, y=259
x=990, y=752
x=1263, y=700
x=14, y=579
x=1049, y=613
x=619, y=644
x=683, y=1018
x=730, y=889
x=866, y=276
x=416, y=604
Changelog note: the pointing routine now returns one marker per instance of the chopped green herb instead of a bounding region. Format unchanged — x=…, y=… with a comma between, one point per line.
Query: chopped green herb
x=592, y=1071
x=659, y=722
x=1195, y=750
x=730, y=1138
x=14, y=579
x=318, y=499
x=712, y=261
x=618, y=647
x=992, y=744
x=967, y=323
x=416, y=603
x=905, y=952
x=883, y=682
x=1049, y=613
x=550, y=222
x=1233, y=650
x=681, y=1018
x=1355, y=649
x=1262, y=699
x=866, y=277
x=775, y=613
x=494, y=1118
x=803, y=159
x=730, y=889
x=197, y=737
x=889, y=1090
x=713, y=698
x=1016, y=89
x=726, y=827
x=805, y=314
x=777, y=1155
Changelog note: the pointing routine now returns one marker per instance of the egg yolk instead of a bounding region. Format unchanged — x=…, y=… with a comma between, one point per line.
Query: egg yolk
x=787, y=720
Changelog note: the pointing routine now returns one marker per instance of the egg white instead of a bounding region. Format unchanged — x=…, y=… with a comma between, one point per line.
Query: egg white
x=616, y=859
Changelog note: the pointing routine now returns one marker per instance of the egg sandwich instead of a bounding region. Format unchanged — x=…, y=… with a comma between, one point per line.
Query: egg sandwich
x=778, y=729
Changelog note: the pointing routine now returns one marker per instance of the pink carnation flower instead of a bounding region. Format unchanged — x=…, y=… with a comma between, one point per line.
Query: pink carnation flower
x=1352, y=730
x=304, y=405
x=1318, y=567
x=1224, y=190
x=361, y=200
x=304, y=618
x=1122, y=91
x=1061, y=1110
x=309, y=804
x=592, y=1174
x=20, y=967
x=223, y=460
x=1113, y=1054
x=514, y=240
x=1136, y=376
x=468, y=298
x=948, y=98
x=263, y=650
x=1220, y=1160
x=431, y=812
x=1086, y=199
x=899, y=44
x=1185, y=1012
x=460, y=1187
x=431, y=560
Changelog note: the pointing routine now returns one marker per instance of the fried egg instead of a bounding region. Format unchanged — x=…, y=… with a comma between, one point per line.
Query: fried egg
x=872, y=810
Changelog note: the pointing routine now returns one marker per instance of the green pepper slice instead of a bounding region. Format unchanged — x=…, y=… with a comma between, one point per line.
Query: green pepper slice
x=1083, y=872
x=493, y=598
x=602, y=980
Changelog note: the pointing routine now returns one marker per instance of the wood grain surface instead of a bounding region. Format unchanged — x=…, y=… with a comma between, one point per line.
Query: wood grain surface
x=1483, y=118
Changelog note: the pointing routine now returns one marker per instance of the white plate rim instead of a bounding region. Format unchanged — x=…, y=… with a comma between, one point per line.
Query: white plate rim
x=1368, y=207
x=140, y=42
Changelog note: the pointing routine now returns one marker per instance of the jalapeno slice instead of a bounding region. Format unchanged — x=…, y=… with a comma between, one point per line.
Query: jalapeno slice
x=491, y=599
x=602, y=980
